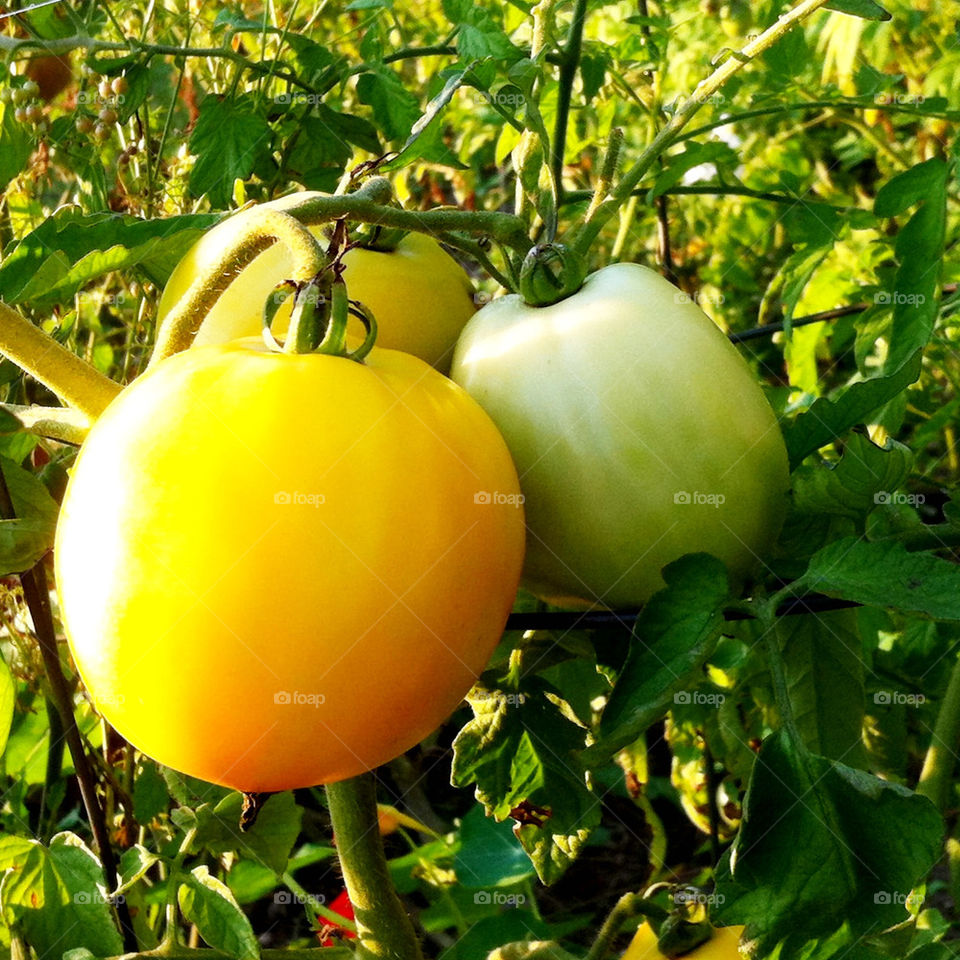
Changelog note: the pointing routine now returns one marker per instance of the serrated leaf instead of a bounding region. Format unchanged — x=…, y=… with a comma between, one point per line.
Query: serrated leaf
x=49, y=890
x=150, y=793
x=885, y=574
x=134, y=863
x=865, y=476
x=919, y=248
x=395, y=109
x=208, y=903
x=827, y=418
x=319, y=156
x=863, y=845
x=270, y=839
x=521, y=752
x=51, y=263
x=673, y=636
x=865, y=9
x=823, y=661
x=230, y=138
x=26, y=539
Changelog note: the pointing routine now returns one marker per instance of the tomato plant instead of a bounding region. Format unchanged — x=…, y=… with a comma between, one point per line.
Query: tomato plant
x=726, y=693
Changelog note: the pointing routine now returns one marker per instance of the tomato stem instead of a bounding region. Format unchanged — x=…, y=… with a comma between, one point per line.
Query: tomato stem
x=602, y=212
x=937, y=772
x=383, y=928
x=258, y=230
x=75, y=381
x=628, y=906
x=65, y=424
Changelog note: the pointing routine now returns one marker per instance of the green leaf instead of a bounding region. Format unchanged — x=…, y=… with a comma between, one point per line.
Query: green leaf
x=693, y=155
x=521, y=752
x=822, y=847
x=53, y=262
x=674, y=634
x=395, y=109
x=827, y=419
x=865, y=476
x=865, y=9
x=823, y=660
x=50, y=890
x=134, y=863
x=16, y=145
x=915, y=296
x=489, y=854
x=26, y=539
x=429, y=122
x=8, y=697
x=270, y=839
x=319, y=156
x=150, y=794
x=231, y=137
x=885, y=574
x=208, y=903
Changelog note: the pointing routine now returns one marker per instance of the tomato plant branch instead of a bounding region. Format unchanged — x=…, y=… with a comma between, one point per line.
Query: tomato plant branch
x=37, y=597
x=941, y=758
x=56, y=423
x=588, y=231
x=318, y=909
x=255, y=232
x=383, y=928
x=628, y=906
x=71, y=378
x=569, y=63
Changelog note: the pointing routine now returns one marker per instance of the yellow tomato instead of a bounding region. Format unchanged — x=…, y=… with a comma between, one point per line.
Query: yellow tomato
x=279, y=570
x=418, y=294
x=723, y=945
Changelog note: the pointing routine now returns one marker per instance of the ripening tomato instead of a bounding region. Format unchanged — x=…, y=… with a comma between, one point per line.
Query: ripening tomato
x=418, y=294
x=278, y=570
x=723, y=945
x=638, y=431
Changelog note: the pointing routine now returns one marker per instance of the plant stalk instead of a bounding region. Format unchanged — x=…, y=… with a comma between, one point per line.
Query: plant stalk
x=71, y=378
x=588, y=231
x=383, y=928
x=937, y=773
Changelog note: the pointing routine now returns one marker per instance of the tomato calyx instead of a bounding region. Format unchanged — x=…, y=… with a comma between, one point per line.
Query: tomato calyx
x=551, y=272
x=677, y=937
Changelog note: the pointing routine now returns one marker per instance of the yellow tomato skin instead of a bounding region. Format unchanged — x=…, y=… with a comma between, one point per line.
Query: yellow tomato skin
x=419, y=295
x=276, y=571
x=724, y=945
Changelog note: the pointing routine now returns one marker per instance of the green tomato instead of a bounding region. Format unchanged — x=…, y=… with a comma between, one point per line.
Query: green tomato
x=638, y=431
